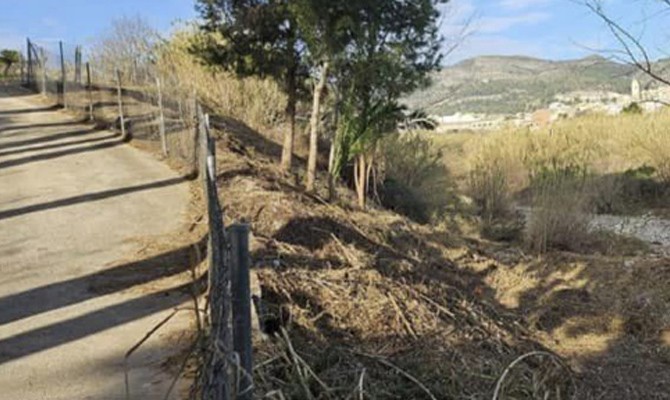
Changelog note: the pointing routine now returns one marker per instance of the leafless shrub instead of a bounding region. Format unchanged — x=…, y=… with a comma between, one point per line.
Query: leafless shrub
x=560, y=211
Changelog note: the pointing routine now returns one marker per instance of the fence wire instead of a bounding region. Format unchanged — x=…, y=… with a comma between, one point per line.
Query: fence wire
x=158, y=106
x=151, y=102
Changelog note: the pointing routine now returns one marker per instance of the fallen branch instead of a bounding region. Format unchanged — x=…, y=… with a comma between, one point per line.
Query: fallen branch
x=514, y=363
x=403, y=318
x=402, y=372
x=146, y=337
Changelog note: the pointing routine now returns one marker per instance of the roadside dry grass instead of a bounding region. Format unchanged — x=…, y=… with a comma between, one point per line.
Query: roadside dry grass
x=604, y=144
x=565, y=173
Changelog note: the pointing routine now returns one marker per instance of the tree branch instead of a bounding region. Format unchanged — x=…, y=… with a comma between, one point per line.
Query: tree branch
x=632, y=47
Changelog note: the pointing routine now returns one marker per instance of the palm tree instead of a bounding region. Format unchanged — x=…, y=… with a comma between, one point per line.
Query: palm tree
x=9, y=57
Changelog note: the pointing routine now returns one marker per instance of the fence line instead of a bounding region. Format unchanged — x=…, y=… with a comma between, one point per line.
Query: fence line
x=175, y=122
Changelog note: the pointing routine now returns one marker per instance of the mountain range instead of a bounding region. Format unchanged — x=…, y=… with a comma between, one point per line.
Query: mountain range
x=513, y=84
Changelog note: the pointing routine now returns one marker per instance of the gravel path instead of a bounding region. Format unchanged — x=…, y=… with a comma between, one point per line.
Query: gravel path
x=648, y=228
x=73, y=203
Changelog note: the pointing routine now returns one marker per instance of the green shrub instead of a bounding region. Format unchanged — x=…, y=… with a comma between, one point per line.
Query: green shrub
x=405, y=200
x=628, y=192
x=632, y=108
x=416, y=182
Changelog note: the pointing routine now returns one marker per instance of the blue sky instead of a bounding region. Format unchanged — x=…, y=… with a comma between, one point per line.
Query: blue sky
x=555, y=29
x=79, y=21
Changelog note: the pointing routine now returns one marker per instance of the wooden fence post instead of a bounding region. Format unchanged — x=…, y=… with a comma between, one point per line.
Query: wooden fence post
x=161, y=118
x=241, y=307
x=119, y=97
x=89, y=89
x=62, y=70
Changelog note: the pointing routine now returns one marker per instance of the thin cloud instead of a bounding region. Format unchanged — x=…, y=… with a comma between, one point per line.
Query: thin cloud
x=521, y=4
x=496, y=45
x=501, y=24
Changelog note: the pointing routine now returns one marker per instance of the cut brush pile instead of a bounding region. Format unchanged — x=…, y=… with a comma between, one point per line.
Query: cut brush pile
x=370, y=305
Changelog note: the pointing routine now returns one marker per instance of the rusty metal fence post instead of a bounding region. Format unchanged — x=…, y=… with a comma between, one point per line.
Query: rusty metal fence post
x=229, y=371
x=217, y=384
x=43, y=66
x=89, y=90
x=161, y=117
x=29, y=72
x=119, y=98
x=241, y=298
x=63, y=74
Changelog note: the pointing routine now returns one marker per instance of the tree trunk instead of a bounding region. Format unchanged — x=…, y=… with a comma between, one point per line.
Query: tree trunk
x=314, y=129
x=289, y=136
x=332, y=192
x=360, y=179
x=331, y=173
x=368, y=175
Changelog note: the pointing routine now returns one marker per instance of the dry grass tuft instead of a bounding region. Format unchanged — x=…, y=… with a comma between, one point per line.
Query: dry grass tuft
x=259, y=103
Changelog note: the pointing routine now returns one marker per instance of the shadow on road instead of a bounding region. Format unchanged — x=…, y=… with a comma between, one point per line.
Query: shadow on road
x=43, y=125
x=57, y=154
x=59, y=333
x=77, y=290
x=49, y=138
x=31, y=110
x=89, y=197
x=58, y=145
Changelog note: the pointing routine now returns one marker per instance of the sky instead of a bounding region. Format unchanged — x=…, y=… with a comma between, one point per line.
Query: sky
x=80, y=21
x=552, y=29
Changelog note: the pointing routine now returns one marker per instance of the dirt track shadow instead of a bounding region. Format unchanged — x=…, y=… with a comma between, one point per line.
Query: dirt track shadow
x=61, y=153
x=30, y=110
x=42, y=125
x=58, y=145
x=49, y=138
x=89, y=197
x=59, y=295
x=112, y=280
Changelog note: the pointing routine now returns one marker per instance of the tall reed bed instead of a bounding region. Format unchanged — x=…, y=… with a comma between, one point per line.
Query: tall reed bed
x=564, y=173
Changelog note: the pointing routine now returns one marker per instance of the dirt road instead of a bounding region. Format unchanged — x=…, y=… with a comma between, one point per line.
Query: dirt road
x=76, y=207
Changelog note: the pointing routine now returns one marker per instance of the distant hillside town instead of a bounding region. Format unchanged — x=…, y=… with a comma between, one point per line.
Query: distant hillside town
x=489, y=91
x=564, y=106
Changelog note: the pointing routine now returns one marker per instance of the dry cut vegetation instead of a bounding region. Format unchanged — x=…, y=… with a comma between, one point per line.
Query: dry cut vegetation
x=372, y=305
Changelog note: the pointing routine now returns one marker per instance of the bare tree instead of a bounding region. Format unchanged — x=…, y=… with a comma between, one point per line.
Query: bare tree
x=127, y=46
x=631, y=49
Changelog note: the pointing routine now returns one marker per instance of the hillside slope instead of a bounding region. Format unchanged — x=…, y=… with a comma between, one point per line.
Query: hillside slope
x=508, y=85
x=375, y=306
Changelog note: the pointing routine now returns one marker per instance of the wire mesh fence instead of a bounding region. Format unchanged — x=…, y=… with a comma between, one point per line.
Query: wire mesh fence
x=141, y=102
x=144, y=101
